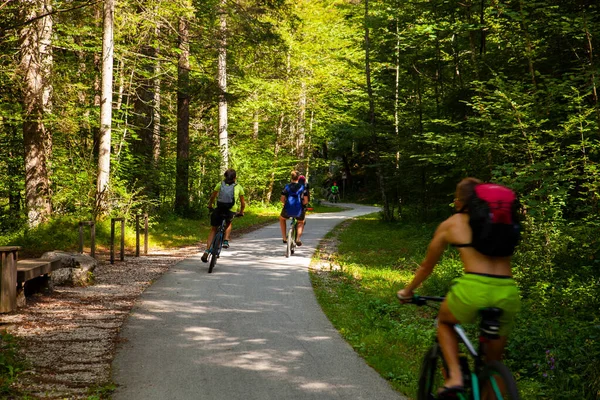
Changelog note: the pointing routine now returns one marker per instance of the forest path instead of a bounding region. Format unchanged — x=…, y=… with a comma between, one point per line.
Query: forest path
x=250, y=330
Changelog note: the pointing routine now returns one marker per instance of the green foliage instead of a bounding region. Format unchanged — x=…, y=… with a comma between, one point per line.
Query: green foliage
x=10, y=364
x=101, y=392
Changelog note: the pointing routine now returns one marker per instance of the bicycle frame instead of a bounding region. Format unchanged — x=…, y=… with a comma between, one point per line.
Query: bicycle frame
x=217, y=244
x=488, y=330
x=218, y=239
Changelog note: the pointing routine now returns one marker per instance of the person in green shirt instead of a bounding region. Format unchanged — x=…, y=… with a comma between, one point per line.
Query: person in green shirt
x=227, y=194
x=335, y=192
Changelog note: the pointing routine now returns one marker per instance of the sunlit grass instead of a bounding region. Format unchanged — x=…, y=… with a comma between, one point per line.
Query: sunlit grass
x=163, y=232
x=167, y=232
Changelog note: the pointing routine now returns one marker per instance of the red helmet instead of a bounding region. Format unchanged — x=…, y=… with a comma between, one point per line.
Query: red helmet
x=334, y=184
x=302, y=178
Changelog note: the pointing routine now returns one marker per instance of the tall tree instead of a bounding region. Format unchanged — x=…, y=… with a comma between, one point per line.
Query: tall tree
x=182, y=196
x=222, y=81
x=36, y=63
x=104, y=152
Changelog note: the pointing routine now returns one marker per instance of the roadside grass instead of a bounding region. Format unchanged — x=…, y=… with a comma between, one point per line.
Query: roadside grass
x=163, y=232
x=376, y=260
x=321, y=208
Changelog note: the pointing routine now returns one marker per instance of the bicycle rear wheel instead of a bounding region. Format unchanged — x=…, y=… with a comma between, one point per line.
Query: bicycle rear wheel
x=430, y=377
x=214, y=251
x=498, y=383
x=294, y=236
x=288, y=249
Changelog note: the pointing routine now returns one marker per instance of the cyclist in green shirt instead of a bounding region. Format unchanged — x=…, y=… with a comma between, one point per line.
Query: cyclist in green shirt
x=227, y=194
x=335, y=190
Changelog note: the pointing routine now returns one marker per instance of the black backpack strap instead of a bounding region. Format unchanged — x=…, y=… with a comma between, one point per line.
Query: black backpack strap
x=462, y=245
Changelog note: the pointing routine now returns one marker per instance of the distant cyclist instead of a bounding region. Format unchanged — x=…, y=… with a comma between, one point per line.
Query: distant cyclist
x=294, y=198
x=335, y=192
x=227, y=193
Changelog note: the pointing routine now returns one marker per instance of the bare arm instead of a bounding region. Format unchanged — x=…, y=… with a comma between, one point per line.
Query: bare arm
x=434, y=253
x=242, y=205
x=283, y=198
x=213, y=196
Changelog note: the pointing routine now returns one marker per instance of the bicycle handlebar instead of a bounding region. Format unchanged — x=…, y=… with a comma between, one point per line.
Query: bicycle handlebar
x=421, y=300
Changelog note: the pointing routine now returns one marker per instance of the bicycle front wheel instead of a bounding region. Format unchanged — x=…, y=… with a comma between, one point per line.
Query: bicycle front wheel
x=430, y=377
x=288, y=249
x=498, y=383
x=214, y=251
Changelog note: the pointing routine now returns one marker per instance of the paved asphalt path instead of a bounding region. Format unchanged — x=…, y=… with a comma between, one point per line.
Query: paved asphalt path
x=250, y=330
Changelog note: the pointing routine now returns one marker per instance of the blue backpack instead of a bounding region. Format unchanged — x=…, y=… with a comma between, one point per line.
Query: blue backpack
x=293, y=205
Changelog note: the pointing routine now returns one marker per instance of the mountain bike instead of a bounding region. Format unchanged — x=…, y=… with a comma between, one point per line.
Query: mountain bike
x=482, y=380
x=334, y=197
x=214, y=251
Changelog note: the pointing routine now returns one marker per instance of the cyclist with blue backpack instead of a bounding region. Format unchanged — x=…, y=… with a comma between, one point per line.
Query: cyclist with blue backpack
x=227, y=193
x=485, y=230
x=294, y=198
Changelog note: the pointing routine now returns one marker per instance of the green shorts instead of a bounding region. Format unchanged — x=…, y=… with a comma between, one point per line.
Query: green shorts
x=472, y=292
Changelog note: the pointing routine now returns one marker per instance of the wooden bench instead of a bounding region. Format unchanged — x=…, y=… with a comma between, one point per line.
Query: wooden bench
x=34, y=275
x=8, y=278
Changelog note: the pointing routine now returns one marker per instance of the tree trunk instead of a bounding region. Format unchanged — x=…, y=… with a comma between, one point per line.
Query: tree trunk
x=590, y=49
x=397, y=95
x=372, y=122
x=529, y=48
x=222, y=78
x=156, y=117
x=105, y=106
x=182, y=198
x=301, y=138
x=36, y=63
x=144, y=110
x=255, y=127
x=275, y=157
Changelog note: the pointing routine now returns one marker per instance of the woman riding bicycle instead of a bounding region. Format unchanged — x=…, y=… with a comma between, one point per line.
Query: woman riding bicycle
x=227, y=193
x=487, y=282
x=294, y=198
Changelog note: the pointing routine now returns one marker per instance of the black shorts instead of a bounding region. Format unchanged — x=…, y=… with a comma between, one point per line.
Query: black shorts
x=285, y=215
x=218, y=216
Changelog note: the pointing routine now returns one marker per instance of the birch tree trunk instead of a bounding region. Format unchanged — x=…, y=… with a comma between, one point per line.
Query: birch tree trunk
x=222, y=79
x=156, y=109
x=105, y=106
x=301, y=138
x=36, y=62
x=182, y=198
x=397, y=95
x=275, y=157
